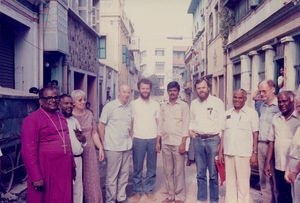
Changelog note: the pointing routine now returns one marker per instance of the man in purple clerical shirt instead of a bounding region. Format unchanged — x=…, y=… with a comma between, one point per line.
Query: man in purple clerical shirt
x=46, y=152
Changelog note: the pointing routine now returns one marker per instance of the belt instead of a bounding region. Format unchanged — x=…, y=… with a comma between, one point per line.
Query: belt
x=263, y=141
x=205, y=136
x=79, y=155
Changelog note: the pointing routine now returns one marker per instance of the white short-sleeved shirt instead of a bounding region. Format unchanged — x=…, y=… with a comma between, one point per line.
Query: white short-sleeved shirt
x=207, y=117
x=238, y=134
x=144, y=115
x=282, y=132
x=1, y=153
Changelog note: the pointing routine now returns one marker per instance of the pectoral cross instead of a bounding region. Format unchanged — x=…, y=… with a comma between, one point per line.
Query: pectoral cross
x=64, y=146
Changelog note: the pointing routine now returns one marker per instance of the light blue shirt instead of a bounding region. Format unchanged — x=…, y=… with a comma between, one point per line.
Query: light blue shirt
x=117, y=120
x=267, y=113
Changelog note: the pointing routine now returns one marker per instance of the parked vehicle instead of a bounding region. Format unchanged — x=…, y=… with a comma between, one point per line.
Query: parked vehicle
x=13, y=110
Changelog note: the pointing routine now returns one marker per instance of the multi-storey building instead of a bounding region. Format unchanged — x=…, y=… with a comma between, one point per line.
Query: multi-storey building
x=21, y=44
x=264, y=38
x=120, y=45
x=164, y=58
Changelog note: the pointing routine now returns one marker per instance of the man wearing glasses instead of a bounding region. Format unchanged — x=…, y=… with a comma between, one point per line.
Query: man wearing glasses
x=46, y=152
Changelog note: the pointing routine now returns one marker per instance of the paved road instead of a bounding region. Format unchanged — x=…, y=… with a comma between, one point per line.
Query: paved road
x=159, y=191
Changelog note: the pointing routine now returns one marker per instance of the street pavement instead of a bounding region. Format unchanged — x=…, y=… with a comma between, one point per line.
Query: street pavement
x=159, y=190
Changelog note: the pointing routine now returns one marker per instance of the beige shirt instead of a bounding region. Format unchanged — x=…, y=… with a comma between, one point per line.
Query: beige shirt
x=173, y=122
x=239, y=129
x=144, y=118
x=282, y=132
x=207, y=117
x=295, y=150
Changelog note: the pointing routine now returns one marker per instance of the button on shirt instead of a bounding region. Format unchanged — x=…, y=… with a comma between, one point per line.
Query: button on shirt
x=117, y=120
x=267, y=113
x=239, y=128
x=173, y=122
x=282, y=132
x=145, y=115
x=73, y=124
x=207, y=117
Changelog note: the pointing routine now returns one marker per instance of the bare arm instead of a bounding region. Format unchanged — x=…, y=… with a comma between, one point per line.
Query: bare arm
x=101, y=128
x=221, y=151
x=253, y=159
x=269, y=157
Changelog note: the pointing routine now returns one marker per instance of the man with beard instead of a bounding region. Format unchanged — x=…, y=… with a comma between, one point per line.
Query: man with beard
x=207, y=116
x=46, y=152
x=145, y=114
x=280, y=137
x=240, y=148
x=77, y=143
x=115, y=131
x=173, y=130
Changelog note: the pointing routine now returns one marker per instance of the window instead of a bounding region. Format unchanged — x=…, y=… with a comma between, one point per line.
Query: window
x=178, y=55
x=159, y=52
x=82, y=14
x=217, y=19
x=211, y=28
x=124, y=53
x=161, y=82
x=82, y=3
x=159, y=67
x=237, y=76
x=102, y=47
x=241, y=9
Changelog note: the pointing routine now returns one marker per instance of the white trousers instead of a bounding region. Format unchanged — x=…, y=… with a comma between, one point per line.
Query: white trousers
x=237, y=179
x=77, y=184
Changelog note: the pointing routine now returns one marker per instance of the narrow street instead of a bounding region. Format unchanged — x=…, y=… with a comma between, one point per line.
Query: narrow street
x=191, y=186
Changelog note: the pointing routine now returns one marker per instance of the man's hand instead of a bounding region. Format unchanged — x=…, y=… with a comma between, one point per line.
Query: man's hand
x=292, y=177
x=181, y=148
x=221, y=156
x=157, y=147
x=253, y=159
x=101, y=154
x=268, y=170
x=73, y=173
x=192, y=134
x=38, y=185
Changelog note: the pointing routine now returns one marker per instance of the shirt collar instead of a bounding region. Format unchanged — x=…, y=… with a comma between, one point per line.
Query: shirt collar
x=293, y=115
x=274, y=102
x=176, y=102
x=120, y=104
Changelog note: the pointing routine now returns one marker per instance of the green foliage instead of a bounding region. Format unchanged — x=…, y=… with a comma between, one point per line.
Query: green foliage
x=226, y=24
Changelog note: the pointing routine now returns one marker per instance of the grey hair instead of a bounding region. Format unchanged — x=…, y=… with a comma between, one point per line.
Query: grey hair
x=77, y=93
x=289, y=92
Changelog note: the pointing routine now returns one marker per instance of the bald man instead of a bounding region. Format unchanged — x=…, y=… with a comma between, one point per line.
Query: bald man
x=115, y=131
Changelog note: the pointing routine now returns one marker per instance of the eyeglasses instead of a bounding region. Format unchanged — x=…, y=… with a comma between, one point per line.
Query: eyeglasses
x=49, y=98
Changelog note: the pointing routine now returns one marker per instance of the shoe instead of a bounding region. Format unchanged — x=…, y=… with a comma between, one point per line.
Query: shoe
x=135, y=198
x=166, y=201
x=151, y=197
x=179, y=201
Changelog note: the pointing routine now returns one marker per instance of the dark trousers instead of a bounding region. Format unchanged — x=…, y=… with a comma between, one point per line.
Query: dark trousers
x=283, y=188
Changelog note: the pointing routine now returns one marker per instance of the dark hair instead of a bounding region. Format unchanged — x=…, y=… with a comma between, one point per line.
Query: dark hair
x=34, y=90
x=65, y=95
x=198, y=81
x=54, y=81
x=173, y=84
x=144, y=81
x=41, y=92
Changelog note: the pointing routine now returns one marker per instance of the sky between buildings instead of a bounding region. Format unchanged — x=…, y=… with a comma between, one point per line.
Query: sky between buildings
x=158, y=19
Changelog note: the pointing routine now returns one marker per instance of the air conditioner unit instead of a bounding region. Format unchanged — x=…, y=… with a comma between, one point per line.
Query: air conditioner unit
x=254, y=3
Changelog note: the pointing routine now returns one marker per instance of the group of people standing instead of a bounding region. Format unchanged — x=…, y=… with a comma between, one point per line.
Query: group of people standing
x=60, y=146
